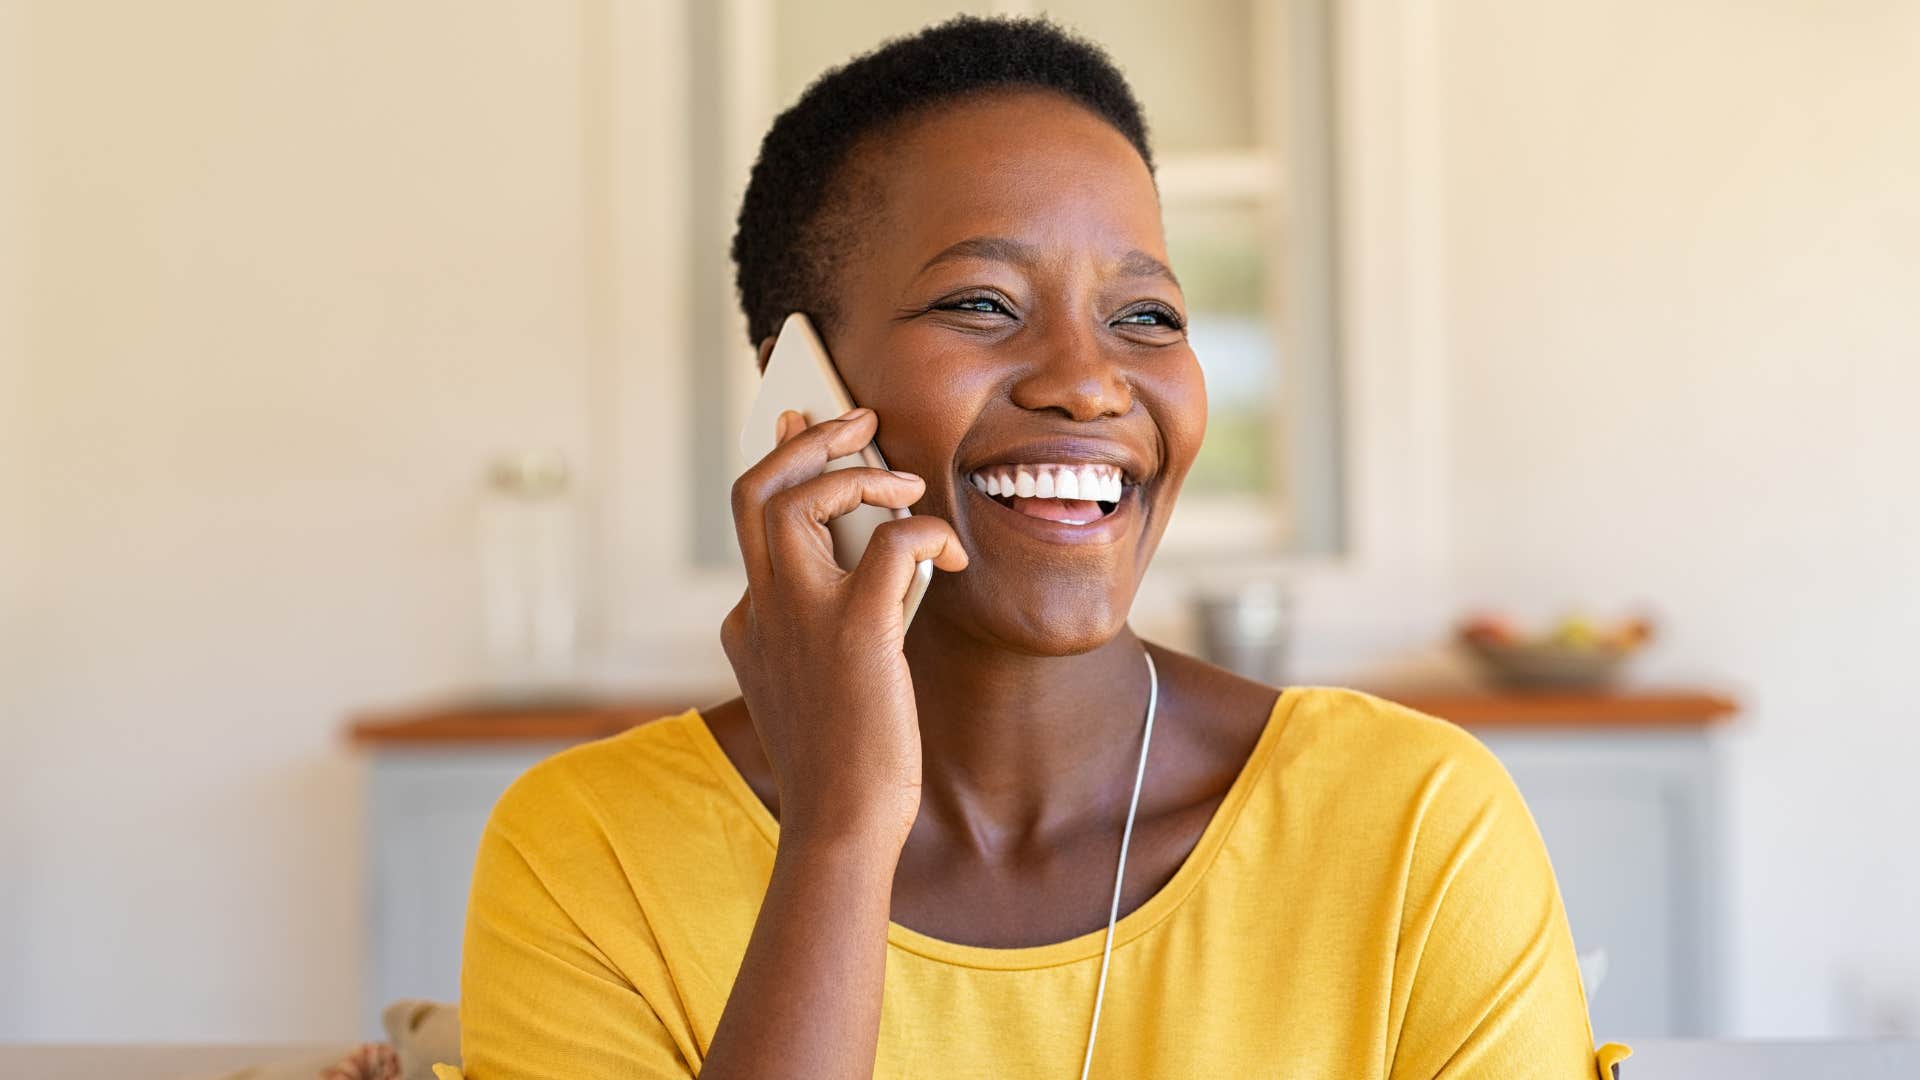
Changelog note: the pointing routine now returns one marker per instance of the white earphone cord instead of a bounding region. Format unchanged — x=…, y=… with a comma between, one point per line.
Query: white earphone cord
x=1120, y=875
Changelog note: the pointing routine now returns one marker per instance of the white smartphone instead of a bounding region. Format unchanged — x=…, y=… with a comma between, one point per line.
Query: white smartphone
x=800, y=376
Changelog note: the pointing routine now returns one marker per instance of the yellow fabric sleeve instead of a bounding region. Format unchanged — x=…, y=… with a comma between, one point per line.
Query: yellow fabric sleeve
x=1486, y=979
x=537, y=997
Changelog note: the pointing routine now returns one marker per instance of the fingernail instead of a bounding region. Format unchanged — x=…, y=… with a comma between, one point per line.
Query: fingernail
x=856, y=413
x=904, y=475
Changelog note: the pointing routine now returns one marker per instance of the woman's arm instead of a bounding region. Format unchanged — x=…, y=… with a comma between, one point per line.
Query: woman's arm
x=819, y=655
x=807, y=999
x=541, y=998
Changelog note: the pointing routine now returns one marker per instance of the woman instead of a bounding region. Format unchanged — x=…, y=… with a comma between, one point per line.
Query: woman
x=894, y=855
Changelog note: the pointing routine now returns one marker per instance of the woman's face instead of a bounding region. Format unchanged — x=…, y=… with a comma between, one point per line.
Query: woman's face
x=1008, y=309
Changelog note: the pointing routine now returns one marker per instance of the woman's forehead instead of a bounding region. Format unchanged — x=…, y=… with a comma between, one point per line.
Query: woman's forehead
x=1033, y=168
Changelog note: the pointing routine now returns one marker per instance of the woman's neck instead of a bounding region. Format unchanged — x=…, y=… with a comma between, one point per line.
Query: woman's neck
x=1016, y=746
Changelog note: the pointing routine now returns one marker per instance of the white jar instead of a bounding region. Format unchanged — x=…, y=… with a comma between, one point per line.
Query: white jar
x=527, y=562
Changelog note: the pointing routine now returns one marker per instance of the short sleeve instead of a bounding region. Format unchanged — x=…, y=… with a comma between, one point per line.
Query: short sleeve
x=538, y=998
x=1486, y=981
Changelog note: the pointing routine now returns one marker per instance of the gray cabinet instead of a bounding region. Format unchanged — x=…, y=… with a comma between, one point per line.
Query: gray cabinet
x=427, y=807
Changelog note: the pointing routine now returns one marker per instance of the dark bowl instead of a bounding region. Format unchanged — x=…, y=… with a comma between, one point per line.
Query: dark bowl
x=1550, y=665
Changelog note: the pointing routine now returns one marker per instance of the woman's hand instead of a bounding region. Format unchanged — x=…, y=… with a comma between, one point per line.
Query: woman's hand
x=818, y=650
x=819, y=657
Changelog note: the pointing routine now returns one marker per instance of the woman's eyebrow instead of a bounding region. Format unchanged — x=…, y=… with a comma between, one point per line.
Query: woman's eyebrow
x=996, y=248
x=1138, y=263
x=1135, y=263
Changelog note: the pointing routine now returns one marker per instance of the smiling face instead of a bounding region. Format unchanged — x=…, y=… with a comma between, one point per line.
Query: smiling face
x=1008, y=314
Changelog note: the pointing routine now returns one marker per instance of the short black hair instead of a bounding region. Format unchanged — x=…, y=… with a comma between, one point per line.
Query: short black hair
x=783, y=259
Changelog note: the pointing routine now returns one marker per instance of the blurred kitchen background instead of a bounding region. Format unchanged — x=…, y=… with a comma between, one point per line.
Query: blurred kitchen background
x=370, y=374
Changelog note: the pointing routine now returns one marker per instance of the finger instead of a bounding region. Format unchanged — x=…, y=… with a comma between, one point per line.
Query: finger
x=799, y=457
x=880, y=583
x=787, y=425
x=808, y=447
x=798, y=542
x=736, y=630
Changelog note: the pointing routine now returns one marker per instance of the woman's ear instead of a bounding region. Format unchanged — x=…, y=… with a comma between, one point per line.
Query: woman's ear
x=766, y=350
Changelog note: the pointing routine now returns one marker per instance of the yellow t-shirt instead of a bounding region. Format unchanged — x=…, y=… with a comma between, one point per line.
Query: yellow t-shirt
x=1371, y=899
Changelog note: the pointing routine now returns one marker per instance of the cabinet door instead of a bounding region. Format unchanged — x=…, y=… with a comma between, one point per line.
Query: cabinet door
x=427, y=812
x=1627, y=821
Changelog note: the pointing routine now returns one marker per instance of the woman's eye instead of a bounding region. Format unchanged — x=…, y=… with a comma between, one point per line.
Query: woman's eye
x=1153, y=316
x=985, y=305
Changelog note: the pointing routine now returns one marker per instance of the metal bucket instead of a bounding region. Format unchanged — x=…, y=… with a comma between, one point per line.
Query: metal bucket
x=1246, y=630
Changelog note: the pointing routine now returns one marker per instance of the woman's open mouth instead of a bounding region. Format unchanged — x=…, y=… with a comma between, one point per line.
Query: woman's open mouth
x=1067, y=494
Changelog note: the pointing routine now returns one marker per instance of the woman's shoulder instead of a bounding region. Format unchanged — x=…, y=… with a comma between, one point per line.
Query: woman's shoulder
x=1347, y=741
x=1358, y=751
x=641, y=774
x=1343, y=722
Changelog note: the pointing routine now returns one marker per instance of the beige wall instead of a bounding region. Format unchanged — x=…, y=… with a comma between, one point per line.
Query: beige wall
x=15, y=556
x=296, y=270
x=1683, y=331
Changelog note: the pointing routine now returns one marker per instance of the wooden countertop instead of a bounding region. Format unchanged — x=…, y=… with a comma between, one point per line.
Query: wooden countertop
x=492, y=722
x=579, y=720
x=1589, y=710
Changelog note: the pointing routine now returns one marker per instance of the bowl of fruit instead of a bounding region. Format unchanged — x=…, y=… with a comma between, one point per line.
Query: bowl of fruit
x=1576, y=653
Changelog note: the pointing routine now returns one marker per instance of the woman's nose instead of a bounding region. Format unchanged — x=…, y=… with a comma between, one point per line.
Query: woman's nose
x=1072, y=374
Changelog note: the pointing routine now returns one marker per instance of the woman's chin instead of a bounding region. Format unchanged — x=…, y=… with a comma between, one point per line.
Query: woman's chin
x=1057, y=619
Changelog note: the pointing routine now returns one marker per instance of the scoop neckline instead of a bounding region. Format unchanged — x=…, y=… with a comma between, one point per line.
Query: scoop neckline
x=1085, y=946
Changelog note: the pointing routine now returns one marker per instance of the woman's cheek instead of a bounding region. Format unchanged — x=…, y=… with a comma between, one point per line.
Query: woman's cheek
x=922, y=426
x=1182, y=394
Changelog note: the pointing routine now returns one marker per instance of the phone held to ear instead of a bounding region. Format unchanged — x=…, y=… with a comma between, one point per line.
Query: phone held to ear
x=801, y=377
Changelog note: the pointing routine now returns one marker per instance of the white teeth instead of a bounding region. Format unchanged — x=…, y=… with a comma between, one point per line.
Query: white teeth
x=1102, y=483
